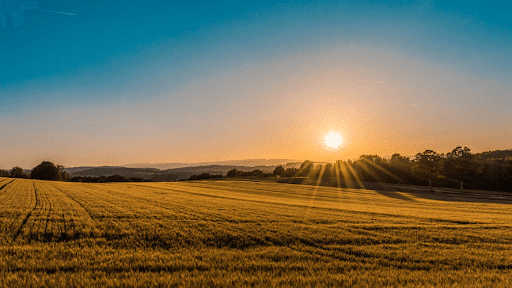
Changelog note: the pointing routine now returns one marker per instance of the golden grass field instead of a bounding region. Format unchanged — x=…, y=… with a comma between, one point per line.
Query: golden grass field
x=248, y=233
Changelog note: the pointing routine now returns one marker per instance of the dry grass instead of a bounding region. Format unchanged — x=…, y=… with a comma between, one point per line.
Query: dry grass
x=241, y=233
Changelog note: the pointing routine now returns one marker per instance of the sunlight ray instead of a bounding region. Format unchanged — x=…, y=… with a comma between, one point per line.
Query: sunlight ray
x=358, y=180
x=382, y=169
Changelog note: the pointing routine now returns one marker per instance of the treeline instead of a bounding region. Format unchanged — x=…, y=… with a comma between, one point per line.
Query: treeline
x=44, y=171
x=205, y=176
x=49, y=171
x=106, y=179
x=456, y=169
x=256, y=173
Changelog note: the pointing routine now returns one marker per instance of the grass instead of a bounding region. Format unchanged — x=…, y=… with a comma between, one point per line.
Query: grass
x=243, y=233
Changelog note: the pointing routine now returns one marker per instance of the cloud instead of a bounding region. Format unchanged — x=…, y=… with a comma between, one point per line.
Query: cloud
x=60, y=12
x=370, y=81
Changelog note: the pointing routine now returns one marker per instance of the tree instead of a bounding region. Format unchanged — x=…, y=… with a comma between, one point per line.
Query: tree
x=290, y=172
x=4, y=173
x=17, y=172
x=315, y=171
x=63, y=174
x=232, y=173
x=328, y=171
x=46, y=171
x=460, y=165
x=116, y=178
x=372, y=158
x=305, y=168
x=278, y=171
x=428, y=164
x=257, y=173
x=400, y=161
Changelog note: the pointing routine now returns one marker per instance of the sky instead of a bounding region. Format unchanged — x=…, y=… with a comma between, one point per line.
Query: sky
x=118, y=82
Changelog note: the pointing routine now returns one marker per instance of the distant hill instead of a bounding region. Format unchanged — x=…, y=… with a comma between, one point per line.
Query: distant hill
x=107, y=171
x=72, y=170
x=218, y=169
x=165, y=175
x=497, y=154
x=245, y=163
x=161, y=166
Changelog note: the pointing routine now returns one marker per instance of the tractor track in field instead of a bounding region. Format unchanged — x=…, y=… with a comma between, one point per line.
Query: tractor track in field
x=112, y=205
x=286, y=204
x=197, y=215
x=76, y=201
x=48, y=218
x=150, y=202
x=3, y=186
x=25, y=219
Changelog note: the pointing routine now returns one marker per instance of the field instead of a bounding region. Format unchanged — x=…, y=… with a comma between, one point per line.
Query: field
x=249, y=233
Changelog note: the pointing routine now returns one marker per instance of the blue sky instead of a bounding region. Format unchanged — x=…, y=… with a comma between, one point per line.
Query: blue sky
x=163, y=81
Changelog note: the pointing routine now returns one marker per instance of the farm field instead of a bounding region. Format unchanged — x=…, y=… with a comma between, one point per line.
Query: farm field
x=249, y=233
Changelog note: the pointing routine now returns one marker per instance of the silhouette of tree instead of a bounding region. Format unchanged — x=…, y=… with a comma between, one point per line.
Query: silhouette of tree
x=329, y=171
x=117, y=178
x=496, y=174
x=315, y=171
x=400, y=161
x=278, y=171
x=257, y=173
x=290, y=172
x=4, y=173
x=204, y=176
x=233, y=172
x=305, y=168
x=63, y=174
x=17, y=172
x=373, y=158
x=428, y=164
x=460, y=165
x=46, y=171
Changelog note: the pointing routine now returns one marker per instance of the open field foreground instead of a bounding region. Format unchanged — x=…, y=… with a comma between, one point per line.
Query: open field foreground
x=241, y=233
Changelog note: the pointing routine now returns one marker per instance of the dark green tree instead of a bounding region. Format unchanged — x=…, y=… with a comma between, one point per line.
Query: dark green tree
x=46, y=171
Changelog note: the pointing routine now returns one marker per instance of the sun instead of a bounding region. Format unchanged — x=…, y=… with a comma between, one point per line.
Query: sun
x=333, y=139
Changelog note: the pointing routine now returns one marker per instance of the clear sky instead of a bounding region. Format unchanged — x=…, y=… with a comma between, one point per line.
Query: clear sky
x=118, y=82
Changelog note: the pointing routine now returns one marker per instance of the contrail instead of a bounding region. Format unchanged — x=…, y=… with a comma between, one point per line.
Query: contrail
x=60, y=12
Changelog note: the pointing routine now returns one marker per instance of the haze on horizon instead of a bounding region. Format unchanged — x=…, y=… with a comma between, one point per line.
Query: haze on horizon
x=160, y=82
